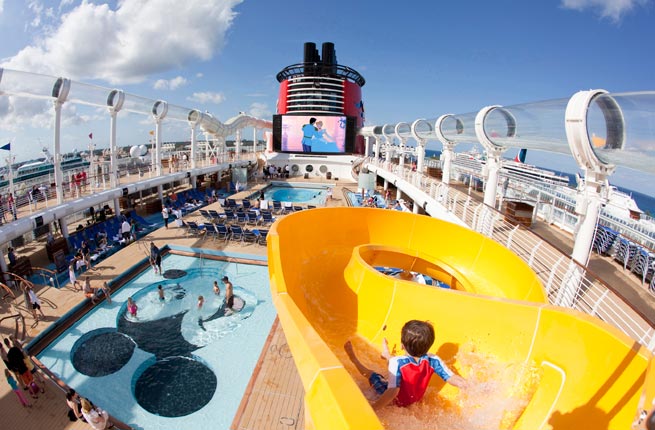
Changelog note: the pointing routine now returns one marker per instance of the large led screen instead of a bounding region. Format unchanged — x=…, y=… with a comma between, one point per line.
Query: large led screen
x=322, y=134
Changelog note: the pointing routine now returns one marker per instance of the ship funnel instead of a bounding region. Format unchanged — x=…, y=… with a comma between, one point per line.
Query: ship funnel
x=311, y=57
x=329, y=58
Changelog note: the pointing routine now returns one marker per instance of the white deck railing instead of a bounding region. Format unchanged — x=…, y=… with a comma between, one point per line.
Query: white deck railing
x=567, y=283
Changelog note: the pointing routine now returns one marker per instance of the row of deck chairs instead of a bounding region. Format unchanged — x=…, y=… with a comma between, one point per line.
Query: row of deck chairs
x=604, y=239
x=638, y=259
x=243, y=218
x=278, y=207
x=233, y=233
x=630, y=255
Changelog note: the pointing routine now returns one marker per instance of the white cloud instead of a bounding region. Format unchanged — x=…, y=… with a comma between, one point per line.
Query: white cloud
x=2, y=5
x=612, y=9
x=170, y=84
x=260, y=110
x=125, y=44
x=207, y=97
x=199, y=75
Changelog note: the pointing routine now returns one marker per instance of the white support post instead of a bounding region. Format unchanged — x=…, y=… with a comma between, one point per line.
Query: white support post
x=158, y=128
x=57, y=156
x=113, y=161
x=194, y=145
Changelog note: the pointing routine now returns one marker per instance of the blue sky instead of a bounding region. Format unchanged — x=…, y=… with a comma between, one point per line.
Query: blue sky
x=420, y=58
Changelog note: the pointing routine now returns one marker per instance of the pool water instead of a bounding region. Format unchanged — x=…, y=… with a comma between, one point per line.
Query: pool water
x=174, y=365
x=294, y=193
x=355, y=199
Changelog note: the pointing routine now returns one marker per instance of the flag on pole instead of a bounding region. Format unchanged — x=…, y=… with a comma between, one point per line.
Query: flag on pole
x=6, y=147
x=90, y=135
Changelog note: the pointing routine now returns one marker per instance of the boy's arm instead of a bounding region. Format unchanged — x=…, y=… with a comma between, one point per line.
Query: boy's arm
x=458, y=382
x=386, y=398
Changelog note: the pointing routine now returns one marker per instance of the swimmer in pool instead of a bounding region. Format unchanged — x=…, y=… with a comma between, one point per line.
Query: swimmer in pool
x=201, y=301
x=229, y=296
x=160, y=291
x=217, y=289
x=132, y=307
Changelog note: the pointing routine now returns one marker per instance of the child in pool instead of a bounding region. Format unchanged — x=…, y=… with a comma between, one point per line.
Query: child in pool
x=132, y=307
x=217, y=289
x=201, y=301
x=160, y=291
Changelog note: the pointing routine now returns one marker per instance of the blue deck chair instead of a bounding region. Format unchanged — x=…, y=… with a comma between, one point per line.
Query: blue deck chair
x=206, y=214
x=215, y=216
x=262, y=237
x=193, y=229
x=277, y=207
x=241, y=218
x=267, y=218
x=236, y=233
x=221, y=232
x=250, y=236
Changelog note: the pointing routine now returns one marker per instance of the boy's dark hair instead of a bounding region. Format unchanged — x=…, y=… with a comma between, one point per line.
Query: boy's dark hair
x=70, y=394
x=417, y=337
x=312, y=120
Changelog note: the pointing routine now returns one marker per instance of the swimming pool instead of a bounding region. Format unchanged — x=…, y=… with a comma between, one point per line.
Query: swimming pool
x=355, y=199
x=175, y=365
x=311, y=194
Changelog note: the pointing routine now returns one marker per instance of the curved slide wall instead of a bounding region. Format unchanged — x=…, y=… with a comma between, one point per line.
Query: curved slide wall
x=326, y=291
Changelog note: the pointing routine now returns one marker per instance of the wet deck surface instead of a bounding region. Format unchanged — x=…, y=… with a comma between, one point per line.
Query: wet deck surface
x=274, y=397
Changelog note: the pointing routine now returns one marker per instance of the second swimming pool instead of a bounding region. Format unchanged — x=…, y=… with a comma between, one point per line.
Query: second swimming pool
x=312, y=194
x=176, y=364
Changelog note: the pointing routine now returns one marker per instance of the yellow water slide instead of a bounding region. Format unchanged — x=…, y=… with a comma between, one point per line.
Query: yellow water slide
x=562, y=369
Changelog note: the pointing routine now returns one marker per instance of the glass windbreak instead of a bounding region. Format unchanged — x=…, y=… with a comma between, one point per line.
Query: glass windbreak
x=13, y=82
x=539, y=126
x=86, y=94
x=402, y=130
x=621, y=129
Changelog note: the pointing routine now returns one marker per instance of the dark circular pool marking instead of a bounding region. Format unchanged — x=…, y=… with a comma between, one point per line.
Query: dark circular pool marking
x=101, y=352
x=175, y=387
x=174, y=273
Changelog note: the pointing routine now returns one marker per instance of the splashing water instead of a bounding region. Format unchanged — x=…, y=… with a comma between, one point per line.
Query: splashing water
x=498, y=393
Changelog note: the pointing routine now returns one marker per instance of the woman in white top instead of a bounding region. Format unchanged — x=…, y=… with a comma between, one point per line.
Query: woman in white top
x=34, y=300
x=71, y=274
x=96, y=417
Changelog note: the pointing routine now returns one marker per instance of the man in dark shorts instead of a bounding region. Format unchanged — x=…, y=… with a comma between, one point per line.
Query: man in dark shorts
x=229, y=296
x=155, y=257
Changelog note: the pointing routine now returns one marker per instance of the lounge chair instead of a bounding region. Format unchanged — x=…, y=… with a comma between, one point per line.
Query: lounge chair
x=236, y=233
x=250, y=236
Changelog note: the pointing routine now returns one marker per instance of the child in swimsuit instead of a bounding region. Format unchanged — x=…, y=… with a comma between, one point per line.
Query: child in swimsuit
x=132, y=307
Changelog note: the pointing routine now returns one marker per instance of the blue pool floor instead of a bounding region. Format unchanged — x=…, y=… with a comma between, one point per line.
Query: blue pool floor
x=204, y=376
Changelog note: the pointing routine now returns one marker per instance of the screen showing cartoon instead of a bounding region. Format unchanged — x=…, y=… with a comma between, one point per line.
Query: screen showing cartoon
x=322, y=134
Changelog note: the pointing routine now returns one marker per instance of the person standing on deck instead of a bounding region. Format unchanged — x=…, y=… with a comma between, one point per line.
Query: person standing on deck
x=155, y=257
x=34, y=301
x=164, y=215
x=125, y=231
x=12, y=205
x=16, y=389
